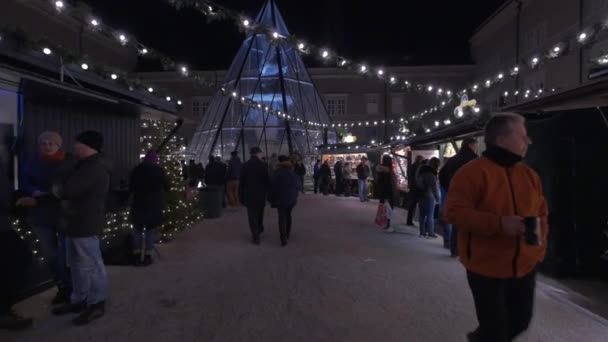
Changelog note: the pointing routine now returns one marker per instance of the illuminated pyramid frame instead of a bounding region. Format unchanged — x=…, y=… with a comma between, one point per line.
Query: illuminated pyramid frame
x=269, y=72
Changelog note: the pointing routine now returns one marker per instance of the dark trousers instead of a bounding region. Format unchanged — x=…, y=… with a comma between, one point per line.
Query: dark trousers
x=256, y=220
x=454, y=241
x=411, y=209
x=15, y=259
x=285, y=223
x=339, y=186
x=504, y=306
x=316, y=187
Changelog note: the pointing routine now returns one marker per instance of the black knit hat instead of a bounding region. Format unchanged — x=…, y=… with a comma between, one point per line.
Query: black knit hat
x=255, y=150
x=93, y=139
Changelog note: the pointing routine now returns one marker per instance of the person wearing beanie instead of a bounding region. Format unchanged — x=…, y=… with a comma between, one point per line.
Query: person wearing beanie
x=84, y=192
x=148, y=185
x=46, y=216
x=253, y=189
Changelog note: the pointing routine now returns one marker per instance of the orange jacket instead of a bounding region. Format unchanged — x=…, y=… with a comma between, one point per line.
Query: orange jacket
x=481, y=193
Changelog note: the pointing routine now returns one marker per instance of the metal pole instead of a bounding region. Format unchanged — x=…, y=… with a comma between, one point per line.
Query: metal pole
x=282, y=83
x=236, y=82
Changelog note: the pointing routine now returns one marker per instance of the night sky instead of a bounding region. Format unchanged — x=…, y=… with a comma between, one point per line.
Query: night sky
x=415, y=32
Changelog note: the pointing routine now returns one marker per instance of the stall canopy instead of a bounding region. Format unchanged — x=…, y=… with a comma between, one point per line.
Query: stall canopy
x=588, y=96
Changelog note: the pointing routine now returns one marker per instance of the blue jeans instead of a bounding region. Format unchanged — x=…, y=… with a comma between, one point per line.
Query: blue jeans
x=53, y=248
x=447, y=227
x=89, y=279
x=427, y=215
x=147, y=238
x=363, y=189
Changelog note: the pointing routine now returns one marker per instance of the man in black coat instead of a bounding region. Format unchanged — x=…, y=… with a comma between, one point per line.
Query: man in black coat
x=339, y=178
x=469, y=151
x=84, y=193
x=414, y=191
x=253, y=190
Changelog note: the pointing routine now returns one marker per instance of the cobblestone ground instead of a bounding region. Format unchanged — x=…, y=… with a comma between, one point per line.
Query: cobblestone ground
x=340, y=279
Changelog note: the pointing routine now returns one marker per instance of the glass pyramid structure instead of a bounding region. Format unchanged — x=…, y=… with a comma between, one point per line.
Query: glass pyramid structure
x=269, y=72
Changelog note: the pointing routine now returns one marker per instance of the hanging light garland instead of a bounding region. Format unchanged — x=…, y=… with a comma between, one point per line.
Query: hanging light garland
x=535, y=61
x=214, y=11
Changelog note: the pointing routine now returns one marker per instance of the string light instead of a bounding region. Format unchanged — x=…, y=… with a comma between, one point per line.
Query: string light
x=168, y=98
x=47, y=51
x=59, y=5
x=150, y=90
x=94, y=22
x=114, y=76
x=84, y=66
x=246, y=23
x=325, y=54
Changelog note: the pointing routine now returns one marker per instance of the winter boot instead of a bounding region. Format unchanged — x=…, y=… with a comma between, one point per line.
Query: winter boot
x=92, y=312
x=69, y=308
x=62, y=296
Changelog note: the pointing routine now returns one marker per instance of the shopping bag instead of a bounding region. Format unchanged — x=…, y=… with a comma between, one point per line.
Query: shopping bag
x=381, y=215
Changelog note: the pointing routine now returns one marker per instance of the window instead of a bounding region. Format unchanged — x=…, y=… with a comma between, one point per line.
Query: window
x=196, y=108
x=336, y=105
x=534, y=38
x=372, y=104
x=397, y=104
x=200, y=106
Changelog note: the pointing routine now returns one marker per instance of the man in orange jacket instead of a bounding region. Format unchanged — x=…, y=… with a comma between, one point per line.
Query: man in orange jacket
x=497, y=203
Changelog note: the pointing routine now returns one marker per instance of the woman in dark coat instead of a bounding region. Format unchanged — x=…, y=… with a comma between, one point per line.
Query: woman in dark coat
x=284, y=195
x=325, y=177
x=387, y=186
x=48, y=167
x=149, y=183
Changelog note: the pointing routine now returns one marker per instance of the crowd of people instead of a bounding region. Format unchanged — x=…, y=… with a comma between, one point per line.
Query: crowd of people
x=493, y=210
x=66, y=194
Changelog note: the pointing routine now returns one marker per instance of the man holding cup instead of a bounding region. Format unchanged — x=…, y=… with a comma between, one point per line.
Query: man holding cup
x=497, y=203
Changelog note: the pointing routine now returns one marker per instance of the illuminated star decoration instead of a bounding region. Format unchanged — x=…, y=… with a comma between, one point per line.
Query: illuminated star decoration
x=464, y=103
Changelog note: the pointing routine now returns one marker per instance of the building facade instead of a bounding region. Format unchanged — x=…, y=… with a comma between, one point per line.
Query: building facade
x=347, y=96
x=521, y=30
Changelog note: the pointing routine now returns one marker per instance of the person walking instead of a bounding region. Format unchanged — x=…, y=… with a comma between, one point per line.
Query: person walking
x=414, y=192
x=428, y=184
x=387, y=187
x=15, y=260
x=253, y=190
x=339, y=177
x=300, y=171
x=325, y=177
x=85, y=191
x=316, y=175
x=149, y=186
x=363, y=173
x=284, y=196
x=234, y=174
x=498, y=205
x=469, y=151
x=49, y=166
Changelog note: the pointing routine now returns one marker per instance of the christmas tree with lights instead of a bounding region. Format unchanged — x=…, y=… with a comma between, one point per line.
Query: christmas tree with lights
x=180, y=213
